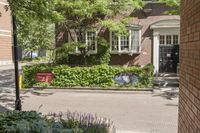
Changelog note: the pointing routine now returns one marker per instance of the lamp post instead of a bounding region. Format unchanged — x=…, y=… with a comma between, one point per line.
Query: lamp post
x=15, y=52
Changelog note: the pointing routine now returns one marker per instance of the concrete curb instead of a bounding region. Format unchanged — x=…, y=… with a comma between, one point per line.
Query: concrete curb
x=97, y=88
x=131, y=132
x=72, y=90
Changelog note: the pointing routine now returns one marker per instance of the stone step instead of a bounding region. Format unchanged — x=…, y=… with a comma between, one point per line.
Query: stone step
x=166, y=81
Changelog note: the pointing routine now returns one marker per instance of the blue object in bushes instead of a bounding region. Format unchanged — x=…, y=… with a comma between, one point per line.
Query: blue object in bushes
x=126, y=78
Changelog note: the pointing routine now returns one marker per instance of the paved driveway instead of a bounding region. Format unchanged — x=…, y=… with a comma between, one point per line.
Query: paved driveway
x=144, y=112
x=147, y=112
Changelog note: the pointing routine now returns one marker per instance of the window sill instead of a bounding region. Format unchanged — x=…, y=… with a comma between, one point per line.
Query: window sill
x=78, y=53
x=125, y=52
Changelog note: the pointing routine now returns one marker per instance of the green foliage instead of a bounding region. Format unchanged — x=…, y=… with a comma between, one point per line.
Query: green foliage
x=41, y=84
x=85, y=123
x=96, y=15
x=34, y=17
x=62, y=53
x=95, y=76
x=175, y=4
x=103, y=52
x=33, y=31
x=33, y=122
x=37, y=59
x=66, y=54
x=34, y=34
x=23, y=122
x=30, y=71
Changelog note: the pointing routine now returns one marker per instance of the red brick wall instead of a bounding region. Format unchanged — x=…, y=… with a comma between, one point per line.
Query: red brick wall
x=5, y=34
x=189, y=103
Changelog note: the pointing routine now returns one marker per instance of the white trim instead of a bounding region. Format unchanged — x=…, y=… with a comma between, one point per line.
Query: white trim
x=119, y=44
x=3, y=3
x=140, y=41
x=8, y=31
x=86, y=41
x=129, y=40
x=166, y=23
x=130, y=51
x=156, y=52
x=5, y=35
x=156, y=43
x=110, y=33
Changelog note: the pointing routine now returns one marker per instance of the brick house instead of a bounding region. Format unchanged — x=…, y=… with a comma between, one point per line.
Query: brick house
x=153, y=38
x=5, y=35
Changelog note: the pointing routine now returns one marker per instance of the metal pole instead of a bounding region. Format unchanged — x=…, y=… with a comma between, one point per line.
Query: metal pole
x=15, y=52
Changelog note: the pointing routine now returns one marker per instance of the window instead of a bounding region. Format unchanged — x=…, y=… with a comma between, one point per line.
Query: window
x=175, y=39
x=125, y=43
x=135, y=42
x=89, y=39
x=168, y=39
x=114, y=43
x=162, y=39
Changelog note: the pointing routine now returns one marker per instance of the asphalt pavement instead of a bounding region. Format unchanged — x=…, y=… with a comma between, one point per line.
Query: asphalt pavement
x=155, y=112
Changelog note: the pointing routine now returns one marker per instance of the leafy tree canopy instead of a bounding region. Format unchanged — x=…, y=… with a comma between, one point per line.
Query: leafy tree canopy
x=34, y=30
x=77, y=16
x=173, y=3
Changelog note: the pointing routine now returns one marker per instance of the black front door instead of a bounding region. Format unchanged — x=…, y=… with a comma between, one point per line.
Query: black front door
x=169, y=58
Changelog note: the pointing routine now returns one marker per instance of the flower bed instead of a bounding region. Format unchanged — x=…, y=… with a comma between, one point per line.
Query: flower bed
x=95, y=76
x=70, y=122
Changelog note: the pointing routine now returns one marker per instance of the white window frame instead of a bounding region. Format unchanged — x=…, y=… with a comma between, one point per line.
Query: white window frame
x=86, y=41
x=172, y=39
x=130, y=51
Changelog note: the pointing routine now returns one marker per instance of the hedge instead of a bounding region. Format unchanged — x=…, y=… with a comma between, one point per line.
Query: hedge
x=95, y=76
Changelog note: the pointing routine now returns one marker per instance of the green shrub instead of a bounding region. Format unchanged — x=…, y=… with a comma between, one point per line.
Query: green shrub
x=95, y=76
x=33, y=122
x=30, y=71
x=23, y=122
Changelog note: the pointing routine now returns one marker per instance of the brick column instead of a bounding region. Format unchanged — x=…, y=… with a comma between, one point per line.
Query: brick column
x=5, y=35
x=189, y=103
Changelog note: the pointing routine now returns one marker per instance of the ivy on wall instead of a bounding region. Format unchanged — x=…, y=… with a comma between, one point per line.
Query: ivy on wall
x=66, y=54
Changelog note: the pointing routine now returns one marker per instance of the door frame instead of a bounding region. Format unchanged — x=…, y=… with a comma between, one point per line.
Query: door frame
x=156, y=43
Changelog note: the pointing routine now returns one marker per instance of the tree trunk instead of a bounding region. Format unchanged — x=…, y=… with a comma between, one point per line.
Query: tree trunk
x=84, y=60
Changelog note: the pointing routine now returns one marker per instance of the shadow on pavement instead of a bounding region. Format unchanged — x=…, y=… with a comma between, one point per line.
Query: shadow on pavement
x=169, y=94
x=7, y=78
x=7, y=98
x=3, y=109
x=36, y=92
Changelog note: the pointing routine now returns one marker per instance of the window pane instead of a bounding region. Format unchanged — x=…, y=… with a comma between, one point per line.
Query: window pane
x=162, y=39
x=91, y=40
x=135, y=40
x=168, y=39
x=175, y=39
x=124, y=43
x=114, y=42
